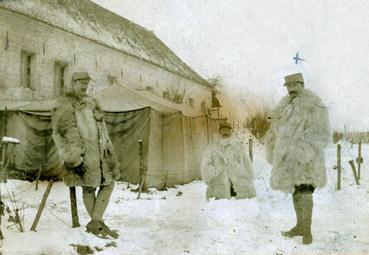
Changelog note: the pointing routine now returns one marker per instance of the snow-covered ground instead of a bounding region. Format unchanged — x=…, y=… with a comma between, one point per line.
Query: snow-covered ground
x=181, y=221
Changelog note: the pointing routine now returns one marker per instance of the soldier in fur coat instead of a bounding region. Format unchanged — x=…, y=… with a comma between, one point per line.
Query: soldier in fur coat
x=87, y=154
x=298, y=134
x=226, y=167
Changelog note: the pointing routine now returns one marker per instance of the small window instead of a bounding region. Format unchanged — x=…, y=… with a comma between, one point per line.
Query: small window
x=60, y=69
x=203, y=106
x=166, y=94
x=150, y=89
x=178, y=99
x=191, y=102
x=27, y=68
x=111, y=80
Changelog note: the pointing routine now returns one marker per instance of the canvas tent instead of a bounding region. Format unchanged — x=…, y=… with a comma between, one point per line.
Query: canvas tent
x=173, y=136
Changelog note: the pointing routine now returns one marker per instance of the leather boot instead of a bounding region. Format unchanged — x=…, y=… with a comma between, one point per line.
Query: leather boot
x=94, y=227
x=113, y=233
x=307, y=213
x=296, y=230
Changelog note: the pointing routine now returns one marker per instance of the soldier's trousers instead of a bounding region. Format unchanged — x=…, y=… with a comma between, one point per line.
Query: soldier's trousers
x=97, y=204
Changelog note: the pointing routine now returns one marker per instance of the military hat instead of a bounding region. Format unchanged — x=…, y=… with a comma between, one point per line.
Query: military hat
x=225, y=124
x=81, y=76
x=296, y=77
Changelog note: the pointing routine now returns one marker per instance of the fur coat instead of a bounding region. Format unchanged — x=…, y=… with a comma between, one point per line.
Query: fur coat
x=224, y=162
x=81, y=136
x=298, y=134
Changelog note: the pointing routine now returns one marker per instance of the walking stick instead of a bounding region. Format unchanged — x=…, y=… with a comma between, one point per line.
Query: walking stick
x=142, y=170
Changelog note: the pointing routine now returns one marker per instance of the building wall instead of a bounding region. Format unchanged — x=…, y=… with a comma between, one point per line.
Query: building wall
x=48, y=44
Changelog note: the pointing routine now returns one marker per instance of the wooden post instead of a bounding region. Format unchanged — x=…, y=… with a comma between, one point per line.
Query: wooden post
x=141, y=171
x=359, y=161
x=6, y=40
x=354, y=171
x=73, y=207
x=42, y=205
x=5, y=120
x=339, y=168
x=250, y=150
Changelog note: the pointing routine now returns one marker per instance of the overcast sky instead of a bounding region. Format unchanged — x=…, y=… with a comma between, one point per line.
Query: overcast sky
x=251, y=45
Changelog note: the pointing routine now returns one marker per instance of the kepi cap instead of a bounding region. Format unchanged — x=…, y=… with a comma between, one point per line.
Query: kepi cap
x=81, y=76
x=296, y=77
x=225, y=124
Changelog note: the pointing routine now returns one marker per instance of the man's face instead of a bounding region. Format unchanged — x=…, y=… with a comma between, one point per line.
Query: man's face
x=225, y=132
x=80, y=87
x=294, y=88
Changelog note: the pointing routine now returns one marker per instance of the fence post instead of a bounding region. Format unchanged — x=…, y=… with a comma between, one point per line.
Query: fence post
x=339, y=168
x=250, y=150
x=359, y=161
x=354, y=171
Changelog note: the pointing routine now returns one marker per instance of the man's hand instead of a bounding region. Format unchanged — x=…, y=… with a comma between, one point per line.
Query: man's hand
x=75, y=162
x=79, y=169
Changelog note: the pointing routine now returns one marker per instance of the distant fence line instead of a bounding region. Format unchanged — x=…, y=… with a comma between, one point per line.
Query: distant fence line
x=352, y=137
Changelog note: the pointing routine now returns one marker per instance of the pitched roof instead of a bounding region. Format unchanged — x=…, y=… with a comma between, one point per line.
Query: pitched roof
x=92, y=21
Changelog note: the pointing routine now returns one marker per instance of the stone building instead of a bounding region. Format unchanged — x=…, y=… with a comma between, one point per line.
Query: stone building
x=42, y=42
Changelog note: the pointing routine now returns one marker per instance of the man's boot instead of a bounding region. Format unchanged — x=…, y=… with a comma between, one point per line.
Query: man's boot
x=113, y=233
x=94, y=227
x=307, y=237
x=102, y=201
x=297, y=203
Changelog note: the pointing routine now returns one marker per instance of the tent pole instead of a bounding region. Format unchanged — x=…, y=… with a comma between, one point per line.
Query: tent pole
x=5, y=120
x=207, y=128
x=142, y=170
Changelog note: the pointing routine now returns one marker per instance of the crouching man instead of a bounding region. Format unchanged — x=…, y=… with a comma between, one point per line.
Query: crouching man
x=87, y=154
x=298, y=134
x=226, y=167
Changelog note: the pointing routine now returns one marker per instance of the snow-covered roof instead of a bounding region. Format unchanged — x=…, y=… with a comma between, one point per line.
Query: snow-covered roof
x=92, y=21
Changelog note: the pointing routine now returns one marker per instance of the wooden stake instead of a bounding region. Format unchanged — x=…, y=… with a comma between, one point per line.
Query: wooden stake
x=250, y=149
x=359, y=161
x=339, y=168
x=42, y=205
x=73, y=207
x=354, y=171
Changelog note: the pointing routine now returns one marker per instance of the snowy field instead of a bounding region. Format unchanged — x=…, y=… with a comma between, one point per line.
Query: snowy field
x=181, y=221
